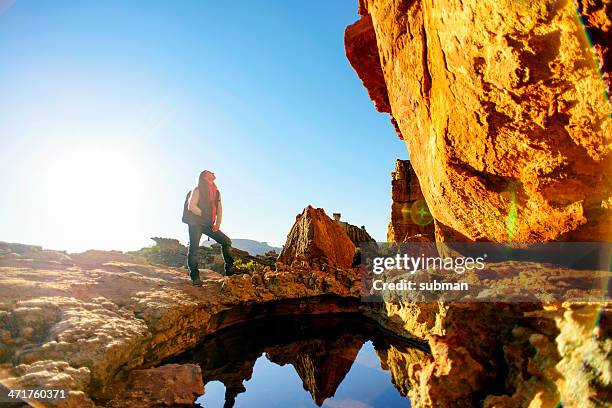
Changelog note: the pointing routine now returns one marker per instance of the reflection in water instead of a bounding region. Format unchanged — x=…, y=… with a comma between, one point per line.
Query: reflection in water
x=340, y=361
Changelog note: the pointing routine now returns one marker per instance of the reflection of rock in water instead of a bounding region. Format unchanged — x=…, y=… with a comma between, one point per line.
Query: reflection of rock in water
x=397, y=359
x=321, y=349
x=322, y=364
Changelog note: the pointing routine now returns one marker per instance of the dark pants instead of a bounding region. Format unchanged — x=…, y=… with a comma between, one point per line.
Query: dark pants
x=195, y=234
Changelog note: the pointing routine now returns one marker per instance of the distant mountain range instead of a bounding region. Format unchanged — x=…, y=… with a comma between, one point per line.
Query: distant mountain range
x=250, y=245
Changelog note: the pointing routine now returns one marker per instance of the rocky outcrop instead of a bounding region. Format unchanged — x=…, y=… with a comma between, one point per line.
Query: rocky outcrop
x=584, y=344
x=170, y=252
x=50, y=375
x=84, y=322
x=317, y=239
x=15, y=248
x=358, y=235
x=508, y=128
x=397, y=360
x=410, y=216
x=502, y=108
x=94, y=316
x=361, y=48
x=561, y=353
x=503, y=355
x=463, y=366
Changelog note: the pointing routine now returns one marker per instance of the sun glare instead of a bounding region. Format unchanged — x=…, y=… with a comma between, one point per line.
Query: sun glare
x=91, y=196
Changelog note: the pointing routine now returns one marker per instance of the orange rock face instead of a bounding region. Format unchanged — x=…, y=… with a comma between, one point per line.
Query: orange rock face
x=502, y=108
x=317, y=238
x=410, y=217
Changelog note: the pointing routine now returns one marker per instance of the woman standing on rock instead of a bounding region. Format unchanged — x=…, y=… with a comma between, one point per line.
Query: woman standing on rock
x=202, y=212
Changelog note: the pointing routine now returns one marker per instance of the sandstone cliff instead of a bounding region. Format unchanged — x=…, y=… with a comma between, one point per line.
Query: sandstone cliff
x=507, y=123
x=410, y=216
x=502, y=108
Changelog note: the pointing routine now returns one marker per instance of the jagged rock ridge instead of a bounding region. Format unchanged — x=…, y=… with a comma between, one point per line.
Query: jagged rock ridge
x=316, y=238
x=358, y=235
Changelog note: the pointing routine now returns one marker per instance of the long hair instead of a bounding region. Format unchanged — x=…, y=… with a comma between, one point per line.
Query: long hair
x=202, y=184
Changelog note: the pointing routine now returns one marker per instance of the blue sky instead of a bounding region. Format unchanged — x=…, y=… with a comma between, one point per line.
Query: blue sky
x=110, y=110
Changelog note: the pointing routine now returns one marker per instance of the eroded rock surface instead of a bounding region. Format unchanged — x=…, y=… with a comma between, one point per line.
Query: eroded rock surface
x=508, y=127
x=596, y=16
x=358, y=235
x=93, y=316
x=502, y=108
x=86, y=321
x=50, y=375
x=504, y=355
x=316, y=238
x=397, y=360
x=410, y=217
x=560, y=353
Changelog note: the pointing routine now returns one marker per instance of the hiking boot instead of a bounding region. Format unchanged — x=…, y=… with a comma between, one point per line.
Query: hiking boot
x=233, y=271
x=197, y=282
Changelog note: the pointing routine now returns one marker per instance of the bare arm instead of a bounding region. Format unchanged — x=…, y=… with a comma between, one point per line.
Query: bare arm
x=193, y=202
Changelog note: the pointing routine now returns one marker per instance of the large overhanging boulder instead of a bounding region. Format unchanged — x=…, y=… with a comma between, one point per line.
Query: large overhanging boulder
x=316, y=238
x=502, y=108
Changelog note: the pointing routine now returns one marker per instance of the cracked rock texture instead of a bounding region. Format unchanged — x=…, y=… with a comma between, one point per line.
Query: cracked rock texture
x=83, y=321
x=316, y=238
x=506, y=120
x=96, y=322
x=502, y=108
x=405, y=192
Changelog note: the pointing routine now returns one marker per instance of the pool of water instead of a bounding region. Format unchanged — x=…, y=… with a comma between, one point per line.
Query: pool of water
x=330, y=361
